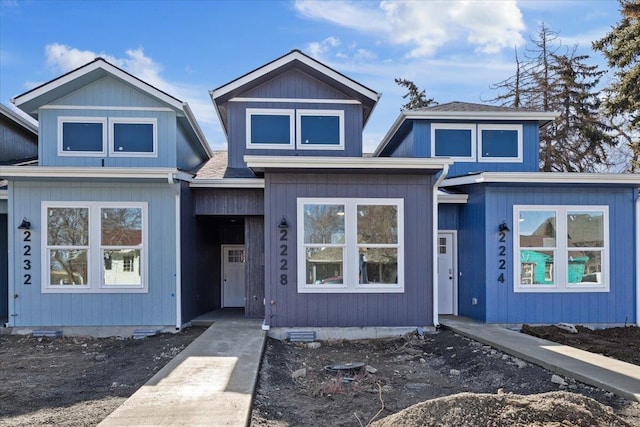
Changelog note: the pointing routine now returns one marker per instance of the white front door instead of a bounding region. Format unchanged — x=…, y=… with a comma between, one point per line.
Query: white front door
x=233, y=276
x=447, y=294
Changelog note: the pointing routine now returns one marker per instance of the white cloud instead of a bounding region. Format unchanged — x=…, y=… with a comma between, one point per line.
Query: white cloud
x=426, y=26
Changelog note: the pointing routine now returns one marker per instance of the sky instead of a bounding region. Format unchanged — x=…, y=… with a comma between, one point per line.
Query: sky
x=453, y=49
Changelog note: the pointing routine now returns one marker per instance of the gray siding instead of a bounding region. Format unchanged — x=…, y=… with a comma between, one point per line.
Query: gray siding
x=16, y=143
x=4, y=263
x=34, y=308
x=188, y=256
x=254, y=266
x=225, y=201
x=286, y=307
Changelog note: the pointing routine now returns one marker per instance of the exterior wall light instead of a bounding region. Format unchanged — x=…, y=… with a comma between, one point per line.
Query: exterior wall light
x=504, y=226
x=283, y=223
x=26, y=225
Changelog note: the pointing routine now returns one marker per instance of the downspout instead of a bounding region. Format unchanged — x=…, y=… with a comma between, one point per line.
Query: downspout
x=11, y=291
x=638, y=257
x=175, y=186
x=434, y=241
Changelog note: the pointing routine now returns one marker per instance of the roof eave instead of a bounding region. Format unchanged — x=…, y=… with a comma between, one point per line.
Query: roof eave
x=543, y=178
x=261, y=163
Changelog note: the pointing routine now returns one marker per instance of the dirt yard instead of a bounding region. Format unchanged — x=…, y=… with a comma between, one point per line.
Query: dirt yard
x=79, y=381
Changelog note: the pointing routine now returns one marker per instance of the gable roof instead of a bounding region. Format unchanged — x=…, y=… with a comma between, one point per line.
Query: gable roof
x=298, y=60
x=32, y=100
x=18, y=119
x=457, y=110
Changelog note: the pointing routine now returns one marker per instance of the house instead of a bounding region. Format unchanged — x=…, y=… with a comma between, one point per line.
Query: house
x=108, y=205
x=18, y=145
x=525, y=246
x=135, y=222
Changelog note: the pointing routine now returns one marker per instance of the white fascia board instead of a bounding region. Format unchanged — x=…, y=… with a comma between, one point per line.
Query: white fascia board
x=228, y=183
x=89, y=173
x=97, y=64
x=260, y=163
x=196, y=128
x=390, y=133
x=295, y=55
x=452, y=198
x=18, y=119
x=543, y=178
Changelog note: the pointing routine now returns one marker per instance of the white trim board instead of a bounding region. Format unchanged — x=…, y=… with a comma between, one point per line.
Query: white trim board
x=89, y=172
x=298, y=100
x=543, y=178
x=260, y=163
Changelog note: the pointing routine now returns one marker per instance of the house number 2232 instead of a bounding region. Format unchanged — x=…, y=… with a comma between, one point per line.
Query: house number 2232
x=284, y=278
x=502, y=255
x=26, y=260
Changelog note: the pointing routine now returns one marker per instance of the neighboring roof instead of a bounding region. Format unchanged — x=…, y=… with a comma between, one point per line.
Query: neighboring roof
x=294, y=59
x=215, y=174
x=464, y=111
x=543, y=178
x=48, y=92
x=18, y=119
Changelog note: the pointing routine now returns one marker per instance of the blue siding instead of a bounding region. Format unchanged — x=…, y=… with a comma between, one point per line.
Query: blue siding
x=3, y=207
x=405, y=147
x=188, y=154
x=503, y=305
x=157, y=307
x=289, y=308
x=109, y=91
x=448, y=216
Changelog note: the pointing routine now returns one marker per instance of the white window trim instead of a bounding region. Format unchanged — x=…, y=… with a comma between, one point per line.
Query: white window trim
x=350, y=253
x=561, y=251
x=270, y=112
x=132, y=120
x=75, y=119
x=482, y=158
x=95, y=262
x=324, y=147
x=457, y=126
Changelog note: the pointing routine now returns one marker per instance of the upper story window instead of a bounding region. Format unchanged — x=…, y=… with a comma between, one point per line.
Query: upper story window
x=468, y=142
x=320, y=129
x=457, y=141
x=500, y=143
x=561, y=248
x=289, y=128
x=350, y=245
x=269, y=128
x=82, y=136
x=133, y=137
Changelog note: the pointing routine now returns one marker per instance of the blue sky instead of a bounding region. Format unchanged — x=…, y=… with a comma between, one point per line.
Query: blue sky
x=453, y=49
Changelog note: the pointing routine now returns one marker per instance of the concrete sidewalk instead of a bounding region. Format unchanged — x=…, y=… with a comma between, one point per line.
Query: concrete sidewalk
x=211, y=382
x=604, y=372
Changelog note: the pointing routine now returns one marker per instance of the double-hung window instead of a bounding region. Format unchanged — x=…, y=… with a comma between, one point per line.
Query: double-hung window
x=561, y=248
x=94, y=247
x=82, y=136
x=290, y=128
x=133, y=137
x=350, y=245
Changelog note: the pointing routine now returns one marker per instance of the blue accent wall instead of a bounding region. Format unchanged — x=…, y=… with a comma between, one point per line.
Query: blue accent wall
x=35, y=309
x=289, y=308
x=448, y=216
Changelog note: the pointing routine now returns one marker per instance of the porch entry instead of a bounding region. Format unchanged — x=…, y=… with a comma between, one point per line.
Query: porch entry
x=233, y=276
x=447, y=274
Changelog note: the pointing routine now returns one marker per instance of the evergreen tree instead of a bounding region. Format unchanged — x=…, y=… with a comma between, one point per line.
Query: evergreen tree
x=417, y=97
x=621, y=47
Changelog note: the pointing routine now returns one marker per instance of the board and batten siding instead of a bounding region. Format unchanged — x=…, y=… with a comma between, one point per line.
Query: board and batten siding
x=225, y=201
x=287, y=308
x=16, y=143
x=32, y=308
x=4, y=263
x=503, y=305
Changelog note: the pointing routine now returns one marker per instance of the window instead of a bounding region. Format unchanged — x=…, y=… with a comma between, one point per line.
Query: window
x=94, y=247
x=350, y=245
x=500, y=143
x=269, y=128
x=454, y=140
x=561, y=249
x=320, y=129
x=133, y=137
x=81, y=136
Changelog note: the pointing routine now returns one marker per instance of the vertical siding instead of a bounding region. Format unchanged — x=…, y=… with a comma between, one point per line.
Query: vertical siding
x=157, y=307
x=286, y=307
x=188, y=155
x=188, y=255
x=254, y=266
x=4, y=265
x=222, y=201
x=615, y=306
x=16, y=143
x=448, y=216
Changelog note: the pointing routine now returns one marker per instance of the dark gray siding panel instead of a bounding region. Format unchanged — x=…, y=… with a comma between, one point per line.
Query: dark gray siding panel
x=16, y=143
x=244, y=201
x=254, y=266
x=286, y=307
x=294, y=84
x=4, y=268
x=189, y=297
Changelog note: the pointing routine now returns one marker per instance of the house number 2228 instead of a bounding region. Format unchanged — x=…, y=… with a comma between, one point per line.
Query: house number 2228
x=284, y=278
x=26, y=261
x=502, y=255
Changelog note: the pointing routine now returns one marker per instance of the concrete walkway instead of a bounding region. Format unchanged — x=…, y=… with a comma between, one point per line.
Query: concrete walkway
x=604, y=372
x=211, y=382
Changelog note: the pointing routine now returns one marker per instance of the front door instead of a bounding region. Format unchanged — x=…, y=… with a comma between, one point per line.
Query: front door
x=233, y=293
x=447, y=294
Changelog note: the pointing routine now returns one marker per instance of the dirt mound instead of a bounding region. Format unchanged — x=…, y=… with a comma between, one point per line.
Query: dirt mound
x=552, y=409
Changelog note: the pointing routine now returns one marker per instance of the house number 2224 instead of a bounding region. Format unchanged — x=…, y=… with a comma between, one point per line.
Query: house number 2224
x=284, y=278
x=502, y=255
x=26, y=261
